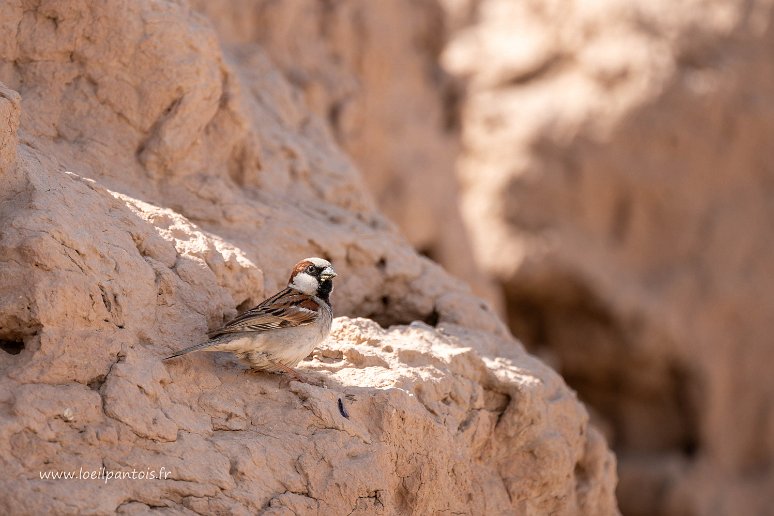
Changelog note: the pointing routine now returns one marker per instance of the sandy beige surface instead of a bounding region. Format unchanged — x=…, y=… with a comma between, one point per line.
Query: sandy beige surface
x=153, y=182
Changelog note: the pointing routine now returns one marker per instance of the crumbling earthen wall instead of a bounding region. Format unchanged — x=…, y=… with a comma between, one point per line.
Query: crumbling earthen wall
x=617, y=153
x=153, y=182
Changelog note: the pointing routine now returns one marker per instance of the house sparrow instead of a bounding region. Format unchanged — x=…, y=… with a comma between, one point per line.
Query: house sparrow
x=282, y=330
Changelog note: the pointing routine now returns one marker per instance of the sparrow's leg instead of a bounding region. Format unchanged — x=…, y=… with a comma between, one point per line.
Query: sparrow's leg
x=295, y=375
x=260, y=361
x=289, y=371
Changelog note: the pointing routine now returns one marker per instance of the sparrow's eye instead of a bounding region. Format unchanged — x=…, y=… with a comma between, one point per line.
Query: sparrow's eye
x=310, y=269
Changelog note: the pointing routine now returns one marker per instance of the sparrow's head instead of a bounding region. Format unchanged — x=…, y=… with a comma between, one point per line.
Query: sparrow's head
x=313, y=277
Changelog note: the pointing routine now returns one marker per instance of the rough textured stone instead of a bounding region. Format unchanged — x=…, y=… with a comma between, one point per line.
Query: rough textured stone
x=159, y=183
x=619, y=153
x=371, y=70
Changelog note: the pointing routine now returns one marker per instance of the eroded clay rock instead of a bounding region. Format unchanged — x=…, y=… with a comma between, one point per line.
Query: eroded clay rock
x=158, y=187
x=371, y=71
x=617, y=153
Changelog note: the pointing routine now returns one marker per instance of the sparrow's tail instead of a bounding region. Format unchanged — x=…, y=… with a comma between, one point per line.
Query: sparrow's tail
x=187, y=350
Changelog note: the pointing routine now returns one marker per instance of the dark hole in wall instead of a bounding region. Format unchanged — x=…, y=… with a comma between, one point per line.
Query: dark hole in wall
x=385, y=320
x=428, y=252
x=237, y=164
x=649, y=401
x=687, y=398
x=389, y=315
x=581, y=474
x=451, y=98
x=432, y=318
x=96, y=382
x=12, y=347
x=334, y=115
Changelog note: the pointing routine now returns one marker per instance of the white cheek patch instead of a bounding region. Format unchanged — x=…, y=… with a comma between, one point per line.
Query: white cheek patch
x=305, y=283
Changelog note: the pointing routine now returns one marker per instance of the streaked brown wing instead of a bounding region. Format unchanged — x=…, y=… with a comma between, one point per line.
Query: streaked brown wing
x=285, y=309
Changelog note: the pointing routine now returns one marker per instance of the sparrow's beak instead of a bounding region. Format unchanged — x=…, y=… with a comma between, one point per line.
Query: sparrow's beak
x=327, y=273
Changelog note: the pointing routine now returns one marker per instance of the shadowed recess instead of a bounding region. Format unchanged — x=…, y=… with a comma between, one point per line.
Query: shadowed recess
x=12, y=347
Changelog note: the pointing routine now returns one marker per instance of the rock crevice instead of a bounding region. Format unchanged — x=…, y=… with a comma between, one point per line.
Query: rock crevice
x=177, y=184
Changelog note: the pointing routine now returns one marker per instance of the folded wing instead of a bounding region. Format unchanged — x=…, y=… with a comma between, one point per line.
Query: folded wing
x=286, y=309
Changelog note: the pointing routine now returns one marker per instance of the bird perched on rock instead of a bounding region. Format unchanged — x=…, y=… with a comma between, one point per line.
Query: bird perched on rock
x=282, y=330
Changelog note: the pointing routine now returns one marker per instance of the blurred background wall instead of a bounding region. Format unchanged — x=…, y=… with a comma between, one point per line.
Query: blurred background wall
x=602, y=173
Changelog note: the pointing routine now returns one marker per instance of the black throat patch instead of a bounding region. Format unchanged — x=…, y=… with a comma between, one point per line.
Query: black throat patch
x=324, y=291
